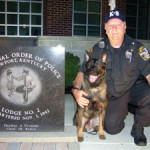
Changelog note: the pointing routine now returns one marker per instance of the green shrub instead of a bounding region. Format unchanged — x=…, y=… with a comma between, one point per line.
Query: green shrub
x=72, y=66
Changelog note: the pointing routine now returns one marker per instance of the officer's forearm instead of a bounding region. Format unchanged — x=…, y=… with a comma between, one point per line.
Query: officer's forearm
x=148, y=78
x=78, y=80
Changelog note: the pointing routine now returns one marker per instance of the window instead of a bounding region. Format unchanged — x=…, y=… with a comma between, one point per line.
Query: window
x=21, y=18
x=87, y=17
x=138, y=18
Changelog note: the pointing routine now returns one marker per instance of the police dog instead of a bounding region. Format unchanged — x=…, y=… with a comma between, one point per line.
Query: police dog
x=94, y=85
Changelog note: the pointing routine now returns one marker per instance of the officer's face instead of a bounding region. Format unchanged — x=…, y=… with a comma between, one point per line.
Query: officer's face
x=115, y=30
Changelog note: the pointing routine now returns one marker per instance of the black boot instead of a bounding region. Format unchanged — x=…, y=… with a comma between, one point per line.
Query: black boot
x=138, y=134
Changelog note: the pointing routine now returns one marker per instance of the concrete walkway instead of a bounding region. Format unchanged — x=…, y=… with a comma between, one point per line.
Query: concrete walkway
x=121, y=141
x=39, y=146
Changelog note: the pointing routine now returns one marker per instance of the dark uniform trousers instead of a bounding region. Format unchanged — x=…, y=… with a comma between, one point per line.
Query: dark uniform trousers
x=117, y=109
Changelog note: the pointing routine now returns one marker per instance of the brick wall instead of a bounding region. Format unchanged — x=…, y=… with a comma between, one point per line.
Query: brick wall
x=121, y=5
x=57, y=16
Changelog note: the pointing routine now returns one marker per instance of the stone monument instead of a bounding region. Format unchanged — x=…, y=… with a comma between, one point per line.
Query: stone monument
x=32, y=89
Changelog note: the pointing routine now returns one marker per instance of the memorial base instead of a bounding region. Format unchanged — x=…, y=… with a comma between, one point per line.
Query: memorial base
x=69, y=135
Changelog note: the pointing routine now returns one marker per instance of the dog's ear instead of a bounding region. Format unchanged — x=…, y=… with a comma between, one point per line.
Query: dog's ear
x=104, y=58
x=87, y=56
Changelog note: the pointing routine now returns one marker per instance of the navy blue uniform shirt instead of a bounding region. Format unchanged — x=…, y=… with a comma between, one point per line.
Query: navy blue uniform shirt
x=125, y=64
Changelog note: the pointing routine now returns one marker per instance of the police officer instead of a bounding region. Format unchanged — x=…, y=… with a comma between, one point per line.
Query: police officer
x=128, y=78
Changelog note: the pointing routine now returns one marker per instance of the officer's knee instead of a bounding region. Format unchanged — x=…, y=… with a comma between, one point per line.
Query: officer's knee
x=113, y=128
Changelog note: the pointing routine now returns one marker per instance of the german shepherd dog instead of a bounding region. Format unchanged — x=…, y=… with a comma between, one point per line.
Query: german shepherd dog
x=94, y=85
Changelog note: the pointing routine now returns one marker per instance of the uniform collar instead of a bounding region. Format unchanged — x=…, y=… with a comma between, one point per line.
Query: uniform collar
x=115, y=49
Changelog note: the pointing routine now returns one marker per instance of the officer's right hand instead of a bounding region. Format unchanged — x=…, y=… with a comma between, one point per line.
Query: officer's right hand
x=78, y=94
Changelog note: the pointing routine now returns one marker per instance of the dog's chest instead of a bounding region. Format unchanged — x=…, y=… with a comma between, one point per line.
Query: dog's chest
x=93, y=90
x=96, y=92
x=93, y=109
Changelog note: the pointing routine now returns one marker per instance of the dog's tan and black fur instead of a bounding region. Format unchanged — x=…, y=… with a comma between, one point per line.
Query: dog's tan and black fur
x=94, y=85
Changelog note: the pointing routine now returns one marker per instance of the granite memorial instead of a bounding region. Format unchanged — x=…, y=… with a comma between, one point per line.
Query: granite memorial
x=32, y=89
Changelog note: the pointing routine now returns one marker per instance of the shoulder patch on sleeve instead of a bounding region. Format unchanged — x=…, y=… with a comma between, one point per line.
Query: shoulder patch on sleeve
x=143, y=52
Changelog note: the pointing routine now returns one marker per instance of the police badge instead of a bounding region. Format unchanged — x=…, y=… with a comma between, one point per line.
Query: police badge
x=128, y=55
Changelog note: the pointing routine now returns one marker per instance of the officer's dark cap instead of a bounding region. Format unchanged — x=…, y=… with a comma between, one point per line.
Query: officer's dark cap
x=114, y=14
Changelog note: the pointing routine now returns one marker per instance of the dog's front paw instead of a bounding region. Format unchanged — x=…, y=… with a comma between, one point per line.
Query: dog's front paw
x=80, y=139
x=102, y=137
